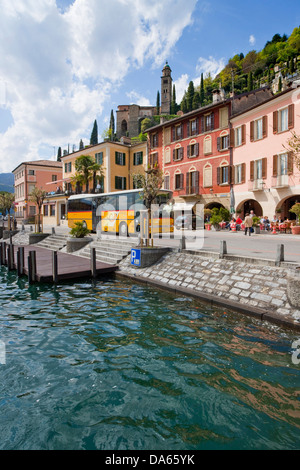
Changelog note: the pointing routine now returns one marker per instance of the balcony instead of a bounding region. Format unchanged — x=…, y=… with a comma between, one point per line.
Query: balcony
x=256, y=185
x=280, y=181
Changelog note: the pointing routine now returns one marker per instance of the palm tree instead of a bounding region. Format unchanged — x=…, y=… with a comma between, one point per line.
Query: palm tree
x=83, y=166
x=98, y=174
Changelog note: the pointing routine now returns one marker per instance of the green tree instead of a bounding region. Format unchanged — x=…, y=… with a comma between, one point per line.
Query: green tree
x=6, y=201
x=183, y=105
x=173, y=103
x=202, y=93
x=38, y=195
x=59, y=154
x=81, y=146
x=94, y=134
x=146, y=124
x=158, y=103
x=84, y=172
x=250, y=82
x=112, y=125
x=190, y=96
x=196, y=100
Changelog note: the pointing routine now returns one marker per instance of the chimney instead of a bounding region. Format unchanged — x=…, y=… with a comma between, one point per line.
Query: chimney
x=216, y=96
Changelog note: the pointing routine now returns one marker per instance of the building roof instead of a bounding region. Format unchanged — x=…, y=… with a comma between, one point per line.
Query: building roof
x=42, y=163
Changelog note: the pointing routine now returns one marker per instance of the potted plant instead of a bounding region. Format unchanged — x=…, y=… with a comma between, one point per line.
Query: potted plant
x=216, y=218
x=296, y=210
x=207, y=216
x=256, y=224
x=78, y=237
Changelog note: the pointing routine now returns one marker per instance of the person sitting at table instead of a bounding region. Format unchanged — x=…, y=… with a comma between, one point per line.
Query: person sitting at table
x=274, y=220
x=267, y=223
x=238, y=223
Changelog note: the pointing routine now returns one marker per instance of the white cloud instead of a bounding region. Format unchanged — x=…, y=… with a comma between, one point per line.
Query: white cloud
x=210, y=65
x=252, y=40
x=181, y=86
x=60, y=68
x=136, y=98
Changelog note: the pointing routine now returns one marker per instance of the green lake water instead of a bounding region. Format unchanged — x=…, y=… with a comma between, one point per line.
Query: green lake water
x=115, y=365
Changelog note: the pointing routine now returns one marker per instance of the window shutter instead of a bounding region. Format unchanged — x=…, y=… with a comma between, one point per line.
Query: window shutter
x=174, y=155
x=290, y=163
x=243, y=134
x=251, y=131
x=196, y=182
x=187, y=187
x=219, y=143
x=181, y=153
x=173, y=134
x=212, y=126
x=197, y=126
x=167, y=182
x=275, y=165
x=124, y=163
x=291, y=116
x=275, y=122
x=243, y=172
x=181, y=180
x=197, y=149
x=218, y=175
x=231, y=138
x=201, y=124
x=252, y=170
x=116, y=157
x=188, y=127
x=265, y=126
x=188, y=151
x=264, y=168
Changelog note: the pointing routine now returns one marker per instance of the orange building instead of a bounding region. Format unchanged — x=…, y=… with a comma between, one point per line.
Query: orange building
x=29, y=175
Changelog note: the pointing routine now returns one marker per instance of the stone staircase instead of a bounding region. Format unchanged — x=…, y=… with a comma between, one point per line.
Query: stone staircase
x=54, y=242
x=109, y=251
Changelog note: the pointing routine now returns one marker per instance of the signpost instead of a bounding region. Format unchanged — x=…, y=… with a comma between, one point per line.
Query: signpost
x=136, y=257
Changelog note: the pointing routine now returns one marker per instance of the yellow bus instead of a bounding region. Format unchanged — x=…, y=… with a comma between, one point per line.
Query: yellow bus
x=119, y=212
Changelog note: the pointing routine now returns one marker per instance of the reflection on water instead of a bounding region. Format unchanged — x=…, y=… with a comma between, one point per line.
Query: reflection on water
x=115, y=365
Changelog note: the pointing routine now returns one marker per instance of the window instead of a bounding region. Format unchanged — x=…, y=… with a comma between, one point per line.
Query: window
x=223, y=174
x=138, y=158
x=207, y=145
x=31, y=172
x=177, y=132
x=258, y=169
x=99, y=158
x=54, y=177
x=52, y=210
x=32, y=210
x=167, y=182
x=283, y=164
x=207, y=176
x=193, y=150
x=239, y=173
x=68, y=167
x=120, y=182
x=193, y=127
x=223, y=117
x=167, y=155
x=258, y=129
x=223, y=142
x=283, y=119
x=153, y=160
x=154, y=140
x=120, y=158
x=239, y=136
x=178, y=181
x=46, y=211
x=208, y=122
x=178, y=154
x=192, y=182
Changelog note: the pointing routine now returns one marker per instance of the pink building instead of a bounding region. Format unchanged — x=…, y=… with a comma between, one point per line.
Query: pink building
x=264, y=175
x=29, y=175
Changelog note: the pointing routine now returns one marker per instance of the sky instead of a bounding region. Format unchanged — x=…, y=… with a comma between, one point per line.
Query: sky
x=65, y=63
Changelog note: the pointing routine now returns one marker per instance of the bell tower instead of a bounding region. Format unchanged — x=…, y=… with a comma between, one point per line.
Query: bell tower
x=166, y=89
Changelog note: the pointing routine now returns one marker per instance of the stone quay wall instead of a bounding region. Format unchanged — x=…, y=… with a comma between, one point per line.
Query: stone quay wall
x=254, y=288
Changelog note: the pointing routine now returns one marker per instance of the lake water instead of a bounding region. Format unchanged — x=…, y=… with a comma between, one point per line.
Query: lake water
x=114, y=365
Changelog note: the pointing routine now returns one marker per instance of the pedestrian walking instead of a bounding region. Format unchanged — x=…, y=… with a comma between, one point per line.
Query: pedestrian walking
x=248, y=222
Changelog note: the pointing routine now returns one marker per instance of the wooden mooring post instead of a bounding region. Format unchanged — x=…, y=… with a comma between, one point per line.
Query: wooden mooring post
x=54, y=267
x=31, y=267
x=10, y=257
x=20, y=261
x=3, y=251
x=93, y=263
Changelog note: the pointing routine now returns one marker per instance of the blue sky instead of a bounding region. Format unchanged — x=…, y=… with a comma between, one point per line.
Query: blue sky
x=66, y=63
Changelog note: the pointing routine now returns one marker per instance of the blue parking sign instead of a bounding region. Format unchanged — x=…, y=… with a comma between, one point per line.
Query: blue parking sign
x=135, y=257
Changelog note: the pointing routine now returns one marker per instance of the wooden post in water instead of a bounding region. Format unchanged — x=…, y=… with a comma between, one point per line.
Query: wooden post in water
x=3, y=248
x=31, y=267
x=20, y=261
x=54, y=267
x=10, y=257
x=93, y=263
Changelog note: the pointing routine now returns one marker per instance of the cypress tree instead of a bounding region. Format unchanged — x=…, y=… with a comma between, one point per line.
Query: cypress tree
x=196, y=100
x=81, y=146
x=202, y=90
x=112, y=125
x=158, y=103
x=190, y=96
x=183, y=105
x=59, y=154
x=94, y=134
x=250, y=81
x=279, y=84
x=173, y=103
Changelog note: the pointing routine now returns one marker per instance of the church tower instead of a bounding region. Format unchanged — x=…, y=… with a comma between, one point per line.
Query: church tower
x=166, y=90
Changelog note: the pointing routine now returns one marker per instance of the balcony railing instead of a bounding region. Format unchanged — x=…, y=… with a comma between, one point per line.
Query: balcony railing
x=256, y=185
x=280, y=181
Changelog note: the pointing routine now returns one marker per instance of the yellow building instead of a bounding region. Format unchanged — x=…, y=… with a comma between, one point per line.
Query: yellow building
x=119, y=161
